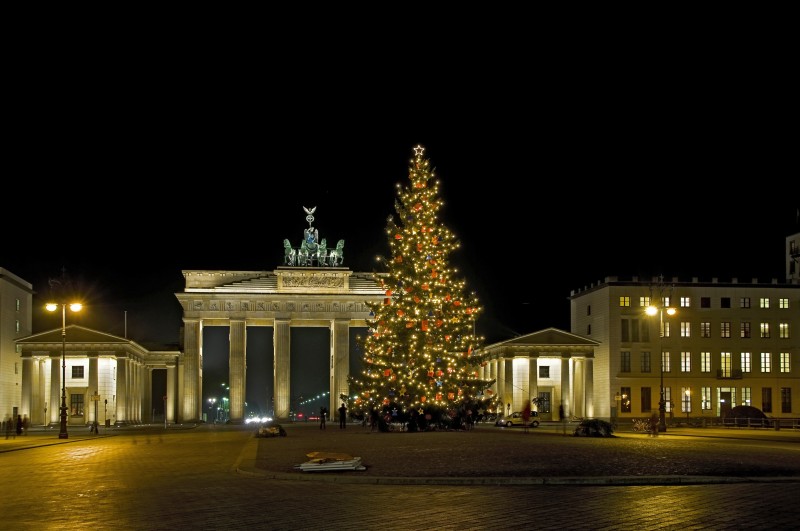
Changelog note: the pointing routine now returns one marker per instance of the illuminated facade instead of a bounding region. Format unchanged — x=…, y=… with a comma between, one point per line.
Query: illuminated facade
x=330, y=297
x=555, y=366
x=109, y=378
x=15, y=322
x=729, y=344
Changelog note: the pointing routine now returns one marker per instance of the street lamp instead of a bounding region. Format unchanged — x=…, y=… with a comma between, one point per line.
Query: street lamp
x=75, y=307
x=664, y=305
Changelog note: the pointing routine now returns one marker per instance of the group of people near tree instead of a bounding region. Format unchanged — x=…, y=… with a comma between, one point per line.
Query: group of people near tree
x=323, y=414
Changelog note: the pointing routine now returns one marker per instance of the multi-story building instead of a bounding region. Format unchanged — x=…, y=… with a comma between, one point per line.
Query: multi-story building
x=727, y=344
x=16, y=297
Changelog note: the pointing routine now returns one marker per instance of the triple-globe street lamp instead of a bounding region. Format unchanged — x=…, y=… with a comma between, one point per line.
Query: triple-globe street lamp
x=75, y=307
x=664, y=306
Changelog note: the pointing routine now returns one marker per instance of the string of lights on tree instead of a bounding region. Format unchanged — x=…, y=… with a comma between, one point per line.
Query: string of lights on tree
x=420, y=351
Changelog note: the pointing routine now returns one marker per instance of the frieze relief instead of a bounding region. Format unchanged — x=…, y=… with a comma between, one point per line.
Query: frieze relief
x=312, y=281
x=277, y=306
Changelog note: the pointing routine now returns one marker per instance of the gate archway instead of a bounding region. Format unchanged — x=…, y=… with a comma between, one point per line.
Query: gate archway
x=287, y=297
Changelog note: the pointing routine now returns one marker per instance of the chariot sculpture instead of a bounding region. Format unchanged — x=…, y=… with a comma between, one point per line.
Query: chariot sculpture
x=313, y=252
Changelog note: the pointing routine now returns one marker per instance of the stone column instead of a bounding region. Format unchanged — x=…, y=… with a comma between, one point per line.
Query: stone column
x=578, y=392
x=28, y=376
x=589, y=386
x=54, y=411
x=340, y=362
x=520, y=371
x=237, y=368
x=566, y=391
x=121, y=410
x=42, y=402
x=147, y=394
x=281, y=366
x=192, y=379
x=172, y=381
x=533, y=375
x=93, y=378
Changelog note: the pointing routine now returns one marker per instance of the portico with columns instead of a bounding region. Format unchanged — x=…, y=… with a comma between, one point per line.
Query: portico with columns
x=553, y=365
x=331, y=297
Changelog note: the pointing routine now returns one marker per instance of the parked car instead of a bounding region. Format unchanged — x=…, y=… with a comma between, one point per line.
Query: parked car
x=515, y=419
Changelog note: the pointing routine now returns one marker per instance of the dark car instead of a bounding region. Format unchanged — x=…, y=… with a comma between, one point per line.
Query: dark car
x=515, y=419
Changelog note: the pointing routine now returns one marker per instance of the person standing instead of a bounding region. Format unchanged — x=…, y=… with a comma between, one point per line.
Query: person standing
x=323, y=412
x=526, y=416
x=19, y=424
x=343, y=416
x=654, y=424
x=562, y=418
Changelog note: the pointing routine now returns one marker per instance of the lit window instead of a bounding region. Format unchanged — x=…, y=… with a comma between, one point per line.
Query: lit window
x=625, y=402
x=624, y=302
x=685, y=302
x=746, y=396
x=783, y=330
x=644, y=302
x=705, y=398
x=745, y=362
x=725, y=329
x=786, y=362
x=17, y=304
x=744, y=302
x=766, y=362
x=764, y=303
x=686, y=362
x=16, y=325
x=765, y=330
x=783, y=304
x=665, y=362
x=705, y=329
x=686, y=400
x=666, y=329
x=76, y=404
x=705, y=362
x=725, y=364
x=686, y=329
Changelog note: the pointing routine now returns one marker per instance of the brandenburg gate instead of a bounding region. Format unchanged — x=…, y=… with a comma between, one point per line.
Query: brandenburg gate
x=312, y=289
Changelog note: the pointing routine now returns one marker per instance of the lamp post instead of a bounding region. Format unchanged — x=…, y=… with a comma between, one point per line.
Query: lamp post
x=75, y=307
x=664, y=305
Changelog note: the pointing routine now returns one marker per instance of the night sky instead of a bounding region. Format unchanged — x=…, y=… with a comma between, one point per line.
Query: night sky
x=544, y=202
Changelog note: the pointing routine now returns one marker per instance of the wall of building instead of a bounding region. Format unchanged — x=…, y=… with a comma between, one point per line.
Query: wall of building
x=16, y=298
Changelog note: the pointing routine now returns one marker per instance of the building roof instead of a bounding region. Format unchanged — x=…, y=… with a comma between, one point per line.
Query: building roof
x=550, y=337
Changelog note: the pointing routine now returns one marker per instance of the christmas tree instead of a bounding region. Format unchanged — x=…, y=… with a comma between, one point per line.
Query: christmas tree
x=420, y=351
